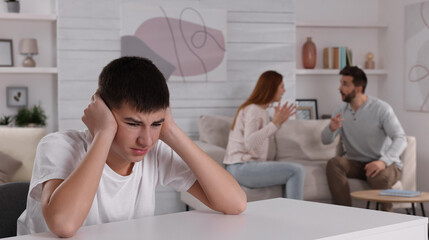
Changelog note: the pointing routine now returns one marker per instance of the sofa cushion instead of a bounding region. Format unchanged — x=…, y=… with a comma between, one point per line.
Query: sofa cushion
x=8, y=167
x=21, y=144
x=301, y=139
x=214, y=129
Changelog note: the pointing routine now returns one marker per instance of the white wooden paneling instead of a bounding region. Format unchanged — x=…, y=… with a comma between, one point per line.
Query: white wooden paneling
x=91, y=45
x=208, y=103
x=260, y=17
x=261, y=33
x=93, y=56
x=85, y=9
x=83, y=69
x=253, y=5
x=261, y=51
x=76, y=90
x=226, y=90
x=89, y=23
x=89, y=34
x=251, y=70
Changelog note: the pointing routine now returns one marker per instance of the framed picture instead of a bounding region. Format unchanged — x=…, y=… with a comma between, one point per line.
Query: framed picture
x=306, y=109
x=6, y=53
x=17, y=96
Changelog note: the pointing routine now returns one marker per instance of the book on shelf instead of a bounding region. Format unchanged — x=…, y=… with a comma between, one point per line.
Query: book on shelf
x=336, y=57
x=400, y=193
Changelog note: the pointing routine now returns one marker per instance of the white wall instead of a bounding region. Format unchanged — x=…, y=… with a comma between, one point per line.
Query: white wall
x=415, y=123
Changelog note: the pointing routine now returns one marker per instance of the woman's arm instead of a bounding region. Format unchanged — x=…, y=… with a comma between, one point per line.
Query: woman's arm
x=215, y=187
x=66, y=203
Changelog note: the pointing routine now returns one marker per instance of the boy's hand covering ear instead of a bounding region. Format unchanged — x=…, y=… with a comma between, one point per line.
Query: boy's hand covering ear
x=168, y=124
x=98, y=117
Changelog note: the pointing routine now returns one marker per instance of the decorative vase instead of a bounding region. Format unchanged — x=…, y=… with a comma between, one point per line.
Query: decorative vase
x=309, y=54
x=13, y=6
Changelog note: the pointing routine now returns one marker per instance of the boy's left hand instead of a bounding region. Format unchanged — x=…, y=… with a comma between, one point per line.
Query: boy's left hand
x=168, y=125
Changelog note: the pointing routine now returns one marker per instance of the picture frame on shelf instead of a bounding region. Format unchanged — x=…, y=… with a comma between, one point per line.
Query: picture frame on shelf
x=17, y=96
x=6, y=53
x=306, y=109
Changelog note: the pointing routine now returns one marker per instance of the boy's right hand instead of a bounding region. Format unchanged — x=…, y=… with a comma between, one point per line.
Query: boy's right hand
x=336, y=123
x=98, y=117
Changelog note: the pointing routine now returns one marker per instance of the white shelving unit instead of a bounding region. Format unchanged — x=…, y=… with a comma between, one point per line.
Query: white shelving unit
x=322, y=84
x=338, y=25
x=28, y=17
x=41, y=81
x=35, y=70
x=324, y=30
x=335, y=72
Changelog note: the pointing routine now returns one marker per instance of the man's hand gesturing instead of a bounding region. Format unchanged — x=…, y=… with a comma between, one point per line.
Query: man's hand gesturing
x=336, y=123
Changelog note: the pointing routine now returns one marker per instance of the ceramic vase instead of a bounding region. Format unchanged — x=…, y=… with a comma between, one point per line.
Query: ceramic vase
x=309, y=54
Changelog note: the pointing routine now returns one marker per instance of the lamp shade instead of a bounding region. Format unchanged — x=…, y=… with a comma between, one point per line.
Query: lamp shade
x=28, y=46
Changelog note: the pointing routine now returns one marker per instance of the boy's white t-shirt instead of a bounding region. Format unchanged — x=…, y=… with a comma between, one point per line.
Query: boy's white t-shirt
x=118, y=197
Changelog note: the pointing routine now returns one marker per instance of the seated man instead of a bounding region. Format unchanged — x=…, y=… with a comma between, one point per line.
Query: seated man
x=109, y=172
x=372, y=137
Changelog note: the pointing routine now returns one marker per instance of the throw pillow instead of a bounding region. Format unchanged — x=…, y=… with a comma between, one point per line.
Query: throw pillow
x=215, y=129
x=8, y=167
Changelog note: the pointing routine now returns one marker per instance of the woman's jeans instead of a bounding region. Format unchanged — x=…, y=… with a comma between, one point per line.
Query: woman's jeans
x=257, y=174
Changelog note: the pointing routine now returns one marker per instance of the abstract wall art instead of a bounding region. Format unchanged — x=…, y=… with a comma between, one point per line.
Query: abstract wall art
x=186, y=43
x=417, y=57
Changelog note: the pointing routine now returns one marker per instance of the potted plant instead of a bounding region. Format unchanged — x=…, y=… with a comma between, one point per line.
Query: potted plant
x=30, y=118
x=12, y=6
x=5, y=120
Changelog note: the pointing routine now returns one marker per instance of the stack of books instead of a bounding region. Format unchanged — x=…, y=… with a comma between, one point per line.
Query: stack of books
x=400, y=193
x=336, y=57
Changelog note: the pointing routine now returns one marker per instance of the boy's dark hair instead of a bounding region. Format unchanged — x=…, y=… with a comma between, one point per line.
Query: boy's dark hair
x=134, y=81
x=359, y=77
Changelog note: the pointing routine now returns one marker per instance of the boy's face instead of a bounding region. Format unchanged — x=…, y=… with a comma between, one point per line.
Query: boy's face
x=137, y=133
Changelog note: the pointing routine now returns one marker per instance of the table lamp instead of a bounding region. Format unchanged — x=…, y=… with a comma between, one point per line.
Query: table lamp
x=28, y=47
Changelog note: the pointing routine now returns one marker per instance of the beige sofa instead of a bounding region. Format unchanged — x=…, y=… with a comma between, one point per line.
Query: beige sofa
x=20, y=145
x=298, y=141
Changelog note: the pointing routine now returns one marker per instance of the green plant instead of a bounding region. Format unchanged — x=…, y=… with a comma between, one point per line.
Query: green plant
x=25, y=116
x=5, y=120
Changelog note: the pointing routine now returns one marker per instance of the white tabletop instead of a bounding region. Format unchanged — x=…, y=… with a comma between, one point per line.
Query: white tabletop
x=269, y=219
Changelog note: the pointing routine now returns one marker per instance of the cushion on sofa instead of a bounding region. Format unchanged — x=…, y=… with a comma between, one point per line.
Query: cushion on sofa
x=21, y=144
x=301, y=139
x=214, y=129
x=8, y=167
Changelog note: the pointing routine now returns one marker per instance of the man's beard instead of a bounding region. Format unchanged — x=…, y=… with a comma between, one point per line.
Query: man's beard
x=349, y=97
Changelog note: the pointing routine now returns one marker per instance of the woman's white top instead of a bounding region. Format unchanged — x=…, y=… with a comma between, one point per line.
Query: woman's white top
x=250, y=138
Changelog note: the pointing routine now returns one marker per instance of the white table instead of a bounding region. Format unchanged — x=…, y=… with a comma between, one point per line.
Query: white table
x=269, y=219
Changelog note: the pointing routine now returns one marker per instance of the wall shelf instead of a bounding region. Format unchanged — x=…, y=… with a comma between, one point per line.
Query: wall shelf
x=28, y=17
x=320, y=25
x=35, y=70
x=335, y=72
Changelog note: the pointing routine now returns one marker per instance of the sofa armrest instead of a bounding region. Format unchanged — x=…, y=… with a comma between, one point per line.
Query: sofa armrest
x=408, y=157
x=215, y=152
x=21, y=144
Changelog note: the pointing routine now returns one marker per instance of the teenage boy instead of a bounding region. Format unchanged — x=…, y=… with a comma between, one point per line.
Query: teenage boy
x=372, y=137
x=109, y=172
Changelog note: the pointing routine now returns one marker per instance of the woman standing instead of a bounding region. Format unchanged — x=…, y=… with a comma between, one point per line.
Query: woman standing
x=247, y=150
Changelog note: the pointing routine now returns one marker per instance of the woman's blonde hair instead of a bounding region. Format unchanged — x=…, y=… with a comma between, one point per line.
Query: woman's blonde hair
x=264, y=91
